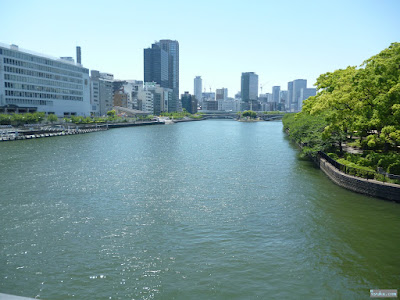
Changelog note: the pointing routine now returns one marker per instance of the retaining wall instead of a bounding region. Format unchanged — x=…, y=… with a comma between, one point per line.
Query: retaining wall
x=368, y=187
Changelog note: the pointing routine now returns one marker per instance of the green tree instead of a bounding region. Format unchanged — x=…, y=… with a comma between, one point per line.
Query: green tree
x=18, y=119
x=249, y=113
x=5, y=119
x=365, y=100
x=111, y=113
x=52, y=118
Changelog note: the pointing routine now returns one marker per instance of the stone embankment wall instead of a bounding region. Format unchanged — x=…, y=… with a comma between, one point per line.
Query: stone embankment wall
x=369, y=187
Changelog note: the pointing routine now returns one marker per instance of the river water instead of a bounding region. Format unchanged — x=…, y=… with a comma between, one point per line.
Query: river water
x=199, y=210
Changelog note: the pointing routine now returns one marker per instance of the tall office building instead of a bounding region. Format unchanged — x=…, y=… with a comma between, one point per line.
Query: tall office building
x=189, y=102
x=33, y=82
x=221, y=94
x=297, y=93
x=276, y=93
x=298, y=84
x=304, y=94
x=156, y=62
x=249, y=91
x=161, y=97
x=161, y=65
x=198, y=86
x=289, y=96
x=283, y=99
x=102, y=92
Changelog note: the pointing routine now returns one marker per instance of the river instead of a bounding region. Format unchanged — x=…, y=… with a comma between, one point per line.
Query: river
x=212, y=209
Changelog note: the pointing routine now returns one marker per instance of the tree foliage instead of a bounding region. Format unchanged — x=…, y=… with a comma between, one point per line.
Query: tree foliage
x=52, y=118
x=359, y=106
x=363, y=100
x=20, y=119
x=249, y=113
x=111, y=113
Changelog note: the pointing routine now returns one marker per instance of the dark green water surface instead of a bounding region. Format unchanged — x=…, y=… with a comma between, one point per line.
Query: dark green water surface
x=198, y=210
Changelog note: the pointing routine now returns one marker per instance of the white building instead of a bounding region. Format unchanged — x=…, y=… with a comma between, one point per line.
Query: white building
x=131, y=88
x=198, y=85
x=34, y=82
x=95, y=97
x=145, y=100
x=104, y=83
x=161, y=97
x=229, y=104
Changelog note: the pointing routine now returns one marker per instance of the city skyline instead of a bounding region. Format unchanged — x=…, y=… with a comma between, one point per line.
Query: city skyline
x=307, y=40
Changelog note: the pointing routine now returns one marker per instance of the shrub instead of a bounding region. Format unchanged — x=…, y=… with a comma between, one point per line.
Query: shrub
x=394, y=168
x=333, y=156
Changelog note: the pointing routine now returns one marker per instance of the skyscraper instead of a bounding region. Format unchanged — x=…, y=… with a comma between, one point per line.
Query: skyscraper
x=172, y=48
x=156, y=63
x=249, y=90
x=161, y=65
x=198, y=86
x=304, y=94
x=298, y=85
x=297, y=93
x=275, y=94
x=283, y=99
x=290, y=95
x=189, y=102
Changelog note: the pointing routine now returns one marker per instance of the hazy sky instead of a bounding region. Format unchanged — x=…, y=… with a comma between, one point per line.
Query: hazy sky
x=279, y=40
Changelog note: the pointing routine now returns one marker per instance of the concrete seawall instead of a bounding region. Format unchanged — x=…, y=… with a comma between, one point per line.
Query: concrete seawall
x=370, y=187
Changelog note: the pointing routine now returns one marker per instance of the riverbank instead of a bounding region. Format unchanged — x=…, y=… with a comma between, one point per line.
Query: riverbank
x=187, y=120
x=36, y=131
x=369, y=187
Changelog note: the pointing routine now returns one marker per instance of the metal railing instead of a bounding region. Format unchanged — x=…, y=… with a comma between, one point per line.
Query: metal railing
x=347, y=169
x=388, y=175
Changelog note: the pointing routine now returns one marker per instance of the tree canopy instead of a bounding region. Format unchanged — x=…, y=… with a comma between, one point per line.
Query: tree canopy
x=249, y=113
x=362, y=100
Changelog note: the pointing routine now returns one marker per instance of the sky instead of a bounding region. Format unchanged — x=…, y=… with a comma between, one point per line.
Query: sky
x=278, y=40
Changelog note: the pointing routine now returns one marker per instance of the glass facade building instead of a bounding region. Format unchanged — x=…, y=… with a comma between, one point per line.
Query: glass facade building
x=249, y=91
x=249, y=86
x=276, y=93
x=161, y=65
x=156, y=61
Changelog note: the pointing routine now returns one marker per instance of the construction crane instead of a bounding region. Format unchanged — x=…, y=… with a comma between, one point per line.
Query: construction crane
x=261, y=86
